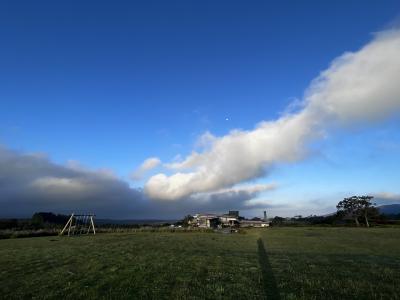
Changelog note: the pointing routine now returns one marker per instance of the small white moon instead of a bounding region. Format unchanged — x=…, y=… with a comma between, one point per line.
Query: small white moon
x=226, y=119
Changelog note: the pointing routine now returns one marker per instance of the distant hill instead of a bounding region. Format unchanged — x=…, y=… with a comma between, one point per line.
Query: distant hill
x=133, y=222
x=391, y=209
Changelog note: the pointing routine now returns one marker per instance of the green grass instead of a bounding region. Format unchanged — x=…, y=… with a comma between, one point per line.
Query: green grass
x=335, y=263
x=286, y=263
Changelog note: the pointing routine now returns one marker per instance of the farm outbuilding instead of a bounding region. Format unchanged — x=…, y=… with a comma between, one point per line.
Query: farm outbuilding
x=229, y=220
x=205, y=220
x=232, y=219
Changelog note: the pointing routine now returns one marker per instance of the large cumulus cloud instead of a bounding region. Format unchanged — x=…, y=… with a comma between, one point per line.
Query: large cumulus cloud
x=146, y=166
x=32, y=182
x=358, y=87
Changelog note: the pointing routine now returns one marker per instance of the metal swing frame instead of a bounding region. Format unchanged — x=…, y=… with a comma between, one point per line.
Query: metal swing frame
x=79, y=224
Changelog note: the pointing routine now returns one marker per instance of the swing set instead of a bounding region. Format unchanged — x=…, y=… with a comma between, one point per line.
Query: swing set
x=79, y=224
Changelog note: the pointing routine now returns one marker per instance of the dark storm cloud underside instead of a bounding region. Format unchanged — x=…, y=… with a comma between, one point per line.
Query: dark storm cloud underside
x=104, y=195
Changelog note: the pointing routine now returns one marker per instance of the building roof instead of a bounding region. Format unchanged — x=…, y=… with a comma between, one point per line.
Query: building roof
x=208, y=216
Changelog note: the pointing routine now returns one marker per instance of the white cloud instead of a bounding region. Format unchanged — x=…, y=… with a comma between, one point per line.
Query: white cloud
x=247, y=192
x=358, y=87
x=59, y=185
x=387, y=196
x=30, y=184
x=146, y=166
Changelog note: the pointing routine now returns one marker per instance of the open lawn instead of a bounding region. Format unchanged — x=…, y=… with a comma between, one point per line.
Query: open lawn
x=273, y=263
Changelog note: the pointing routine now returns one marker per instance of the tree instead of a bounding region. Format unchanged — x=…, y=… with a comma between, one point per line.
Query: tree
x=37, y=220
x=277, y=221
x=187, y=220
x=355, y=207
x=367, y=207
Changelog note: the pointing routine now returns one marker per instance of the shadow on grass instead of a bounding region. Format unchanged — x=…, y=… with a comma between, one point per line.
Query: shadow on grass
x=269, y=281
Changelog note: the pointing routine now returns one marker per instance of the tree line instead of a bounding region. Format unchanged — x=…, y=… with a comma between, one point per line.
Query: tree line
x=354, y=210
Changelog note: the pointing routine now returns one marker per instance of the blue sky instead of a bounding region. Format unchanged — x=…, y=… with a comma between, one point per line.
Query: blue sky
x=110, y=84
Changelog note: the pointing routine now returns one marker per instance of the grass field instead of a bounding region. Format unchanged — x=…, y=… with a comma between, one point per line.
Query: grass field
x=274, y=263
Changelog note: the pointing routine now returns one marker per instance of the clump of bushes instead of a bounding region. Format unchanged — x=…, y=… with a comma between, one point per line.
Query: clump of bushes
x=8, y=233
